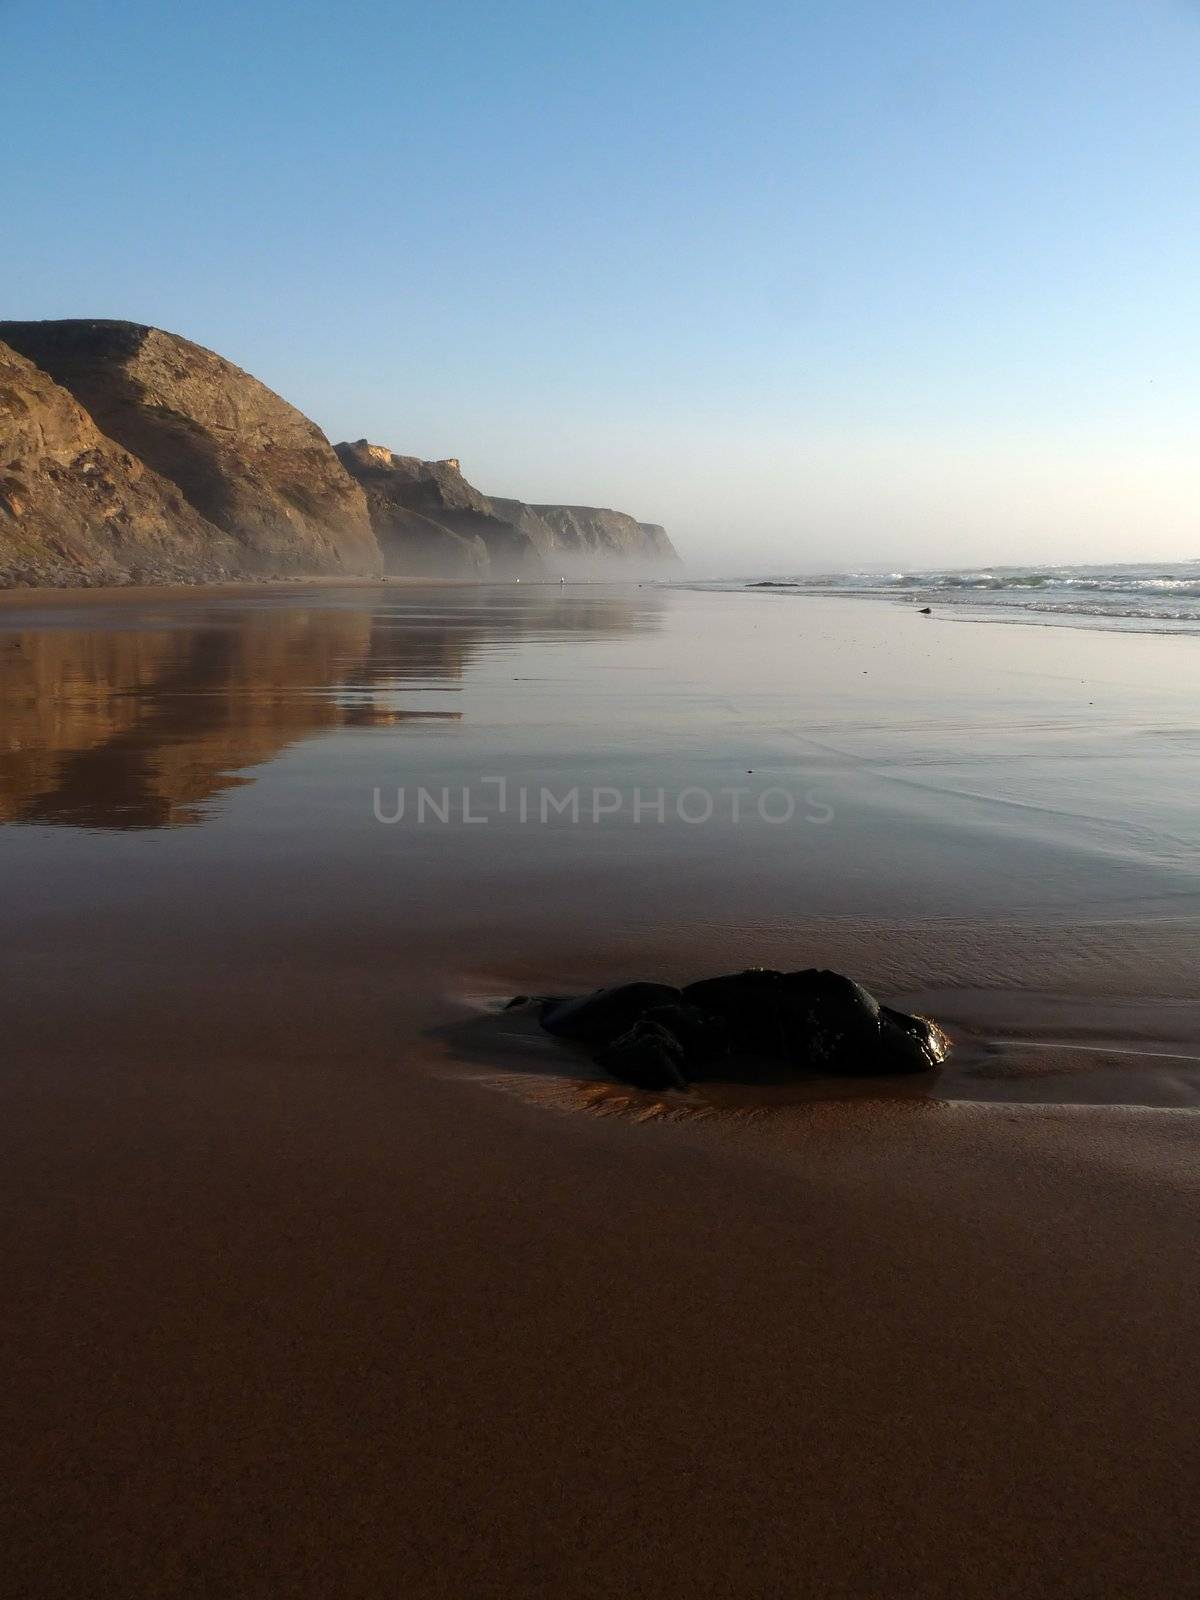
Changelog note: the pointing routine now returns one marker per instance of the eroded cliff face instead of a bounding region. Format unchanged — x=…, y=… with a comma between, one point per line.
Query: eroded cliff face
x=595, y=533
x=132, y=455
x=417, y=505
x=658, y=544
x=412, y=544
x=527, y=523
x=77, y=508
x=435, y=494
x=247, y=461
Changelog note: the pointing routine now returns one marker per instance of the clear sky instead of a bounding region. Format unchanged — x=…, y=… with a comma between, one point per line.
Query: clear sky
x=812, y=283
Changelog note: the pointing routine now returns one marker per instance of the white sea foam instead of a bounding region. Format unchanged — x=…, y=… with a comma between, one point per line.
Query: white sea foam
x=1146, y=597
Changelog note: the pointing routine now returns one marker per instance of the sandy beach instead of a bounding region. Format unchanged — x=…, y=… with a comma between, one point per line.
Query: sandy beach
x=325, y=1277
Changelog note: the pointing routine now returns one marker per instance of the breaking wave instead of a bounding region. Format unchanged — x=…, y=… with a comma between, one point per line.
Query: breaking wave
x=1161, y=597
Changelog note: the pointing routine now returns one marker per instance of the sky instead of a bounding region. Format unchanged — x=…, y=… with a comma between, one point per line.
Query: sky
x=816, y=285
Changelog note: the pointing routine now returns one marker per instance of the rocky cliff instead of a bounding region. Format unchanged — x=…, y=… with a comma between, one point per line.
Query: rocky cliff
x=405, y=492
x=131, y=455
x=77, y=508
x=414, y=544
x=241, y=456
x=658, y=544
x=438, y=492
x=527, y=523
x=596, y=533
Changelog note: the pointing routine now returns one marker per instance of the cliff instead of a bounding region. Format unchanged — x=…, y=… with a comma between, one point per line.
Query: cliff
x=596, y=533
x=437, y=492
x=412, y=544
x=128, y=454
x=76, y=508
x=246, y=460
x=527, y=523
x=418, y=507
x=658, y=544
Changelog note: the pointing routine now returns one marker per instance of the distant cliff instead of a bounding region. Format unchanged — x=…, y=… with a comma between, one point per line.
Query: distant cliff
x=128, y=454
x=466, y=533
x=595, y=532
x=517, y=538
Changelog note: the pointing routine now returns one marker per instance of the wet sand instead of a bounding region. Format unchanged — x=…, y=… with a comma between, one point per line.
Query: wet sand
x=140, y=594
x=323, y=1277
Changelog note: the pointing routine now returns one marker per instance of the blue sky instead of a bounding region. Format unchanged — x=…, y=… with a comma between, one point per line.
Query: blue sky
x=814, y=284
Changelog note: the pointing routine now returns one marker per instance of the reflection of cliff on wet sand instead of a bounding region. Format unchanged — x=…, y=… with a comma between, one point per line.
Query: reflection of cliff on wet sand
x=134, y=729
x=139, y=726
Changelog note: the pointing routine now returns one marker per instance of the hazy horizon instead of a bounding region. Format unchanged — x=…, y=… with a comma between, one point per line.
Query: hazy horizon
x=814, y=286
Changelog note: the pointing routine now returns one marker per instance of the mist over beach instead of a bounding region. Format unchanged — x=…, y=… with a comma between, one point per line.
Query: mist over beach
x=599, y=626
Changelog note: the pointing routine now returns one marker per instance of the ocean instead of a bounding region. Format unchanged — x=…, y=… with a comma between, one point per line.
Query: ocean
x=1145, y=597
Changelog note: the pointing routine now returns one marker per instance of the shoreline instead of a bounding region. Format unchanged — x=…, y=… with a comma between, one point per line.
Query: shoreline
x=963, y=604
x=19, y=598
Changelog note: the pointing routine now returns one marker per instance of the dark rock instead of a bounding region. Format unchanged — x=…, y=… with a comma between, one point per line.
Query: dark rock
x=748, y=1005
x=911, y=1044
x=703, y=1035
x=830, y=1023
x=813, y=1020
x=926, y=611
x=648, y=1055
x=603, y=1015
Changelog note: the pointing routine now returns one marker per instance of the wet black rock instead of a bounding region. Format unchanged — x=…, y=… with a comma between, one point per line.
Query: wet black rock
x=655, y=1036
x=703, y=1035
x=746, y=1002
x=601, y=1017
x=648, y=1055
